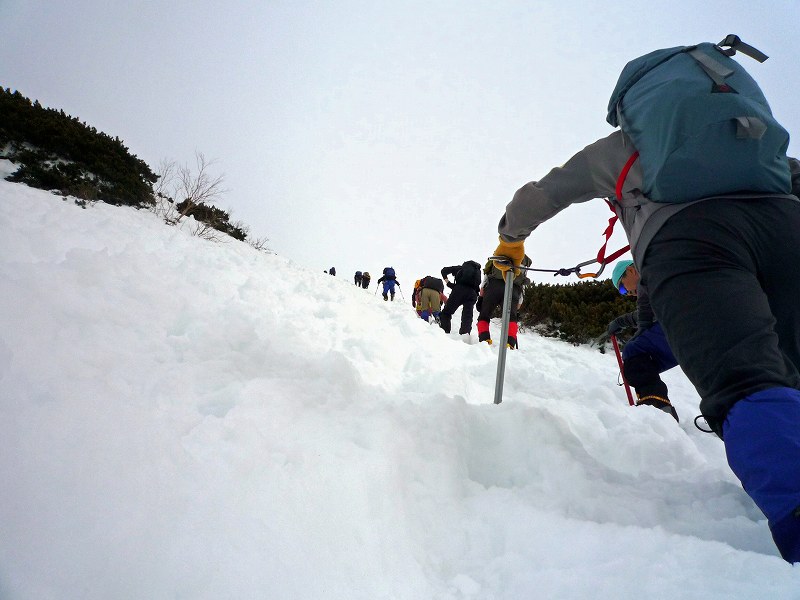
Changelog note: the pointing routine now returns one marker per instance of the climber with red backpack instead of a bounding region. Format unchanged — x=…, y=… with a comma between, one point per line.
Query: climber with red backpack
x=700, y=180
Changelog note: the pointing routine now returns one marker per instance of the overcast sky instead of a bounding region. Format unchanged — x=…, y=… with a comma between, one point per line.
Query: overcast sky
x=362, y=134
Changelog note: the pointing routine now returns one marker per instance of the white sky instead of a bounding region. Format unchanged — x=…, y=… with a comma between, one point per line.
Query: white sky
x=365, y=134
x=183, y=419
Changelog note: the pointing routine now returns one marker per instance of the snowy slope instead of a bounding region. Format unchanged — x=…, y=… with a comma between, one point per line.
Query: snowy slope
x=182, y=419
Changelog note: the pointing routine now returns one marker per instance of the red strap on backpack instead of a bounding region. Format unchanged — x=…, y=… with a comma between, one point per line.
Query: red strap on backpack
x=601, y=254
x=601, y=258
x=624, y=174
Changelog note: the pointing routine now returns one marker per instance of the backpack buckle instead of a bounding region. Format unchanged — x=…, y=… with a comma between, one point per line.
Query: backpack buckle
x=730, y=40
x=735, y=43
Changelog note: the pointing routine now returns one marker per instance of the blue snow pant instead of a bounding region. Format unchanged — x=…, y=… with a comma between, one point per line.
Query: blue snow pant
x=644, y=358
x=388, y=288
x=722, y=280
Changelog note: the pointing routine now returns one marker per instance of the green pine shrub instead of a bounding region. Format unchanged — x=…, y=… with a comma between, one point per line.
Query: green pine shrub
x=577, y=313
x=57, y=152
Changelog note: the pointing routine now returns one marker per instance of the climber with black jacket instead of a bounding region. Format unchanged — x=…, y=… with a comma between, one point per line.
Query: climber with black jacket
x=465, y=289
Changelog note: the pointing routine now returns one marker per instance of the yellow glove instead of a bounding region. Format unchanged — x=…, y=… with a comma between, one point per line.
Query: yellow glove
x=513, y=250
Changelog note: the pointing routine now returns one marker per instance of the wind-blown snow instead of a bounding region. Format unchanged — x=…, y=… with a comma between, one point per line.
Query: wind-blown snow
x=184, y=419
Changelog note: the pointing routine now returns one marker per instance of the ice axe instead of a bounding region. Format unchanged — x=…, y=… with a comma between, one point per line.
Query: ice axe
x=508, y=276
x=621, y=369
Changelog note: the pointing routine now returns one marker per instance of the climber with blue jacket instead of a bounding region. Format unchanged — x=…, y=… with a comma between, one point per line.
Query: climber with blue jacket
x=647, y=354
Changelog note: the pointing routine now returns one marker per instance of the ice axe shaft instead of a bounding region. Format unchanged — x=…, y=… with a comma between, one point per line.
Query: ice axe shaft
x=622, y=369
x=501, y=357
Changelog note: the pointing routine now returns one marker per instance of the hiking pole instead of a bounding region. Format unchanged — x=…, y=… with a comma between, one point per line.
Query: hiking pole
x=621, y=369
x=501, y=357
x=401, y=291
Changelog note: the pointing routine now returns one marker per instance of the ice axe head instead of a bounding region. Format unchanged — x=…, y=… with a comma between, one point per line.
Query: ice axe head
x=504, y=263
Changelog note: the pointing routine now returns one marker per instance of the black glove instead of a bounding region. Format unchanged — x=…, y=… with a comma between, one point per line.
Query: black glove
x=601, y=341
x=622, y=322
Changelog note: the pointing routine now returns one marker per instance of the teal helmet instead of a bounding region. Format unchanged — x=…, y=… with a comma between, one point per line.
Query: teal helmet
x=619, y=271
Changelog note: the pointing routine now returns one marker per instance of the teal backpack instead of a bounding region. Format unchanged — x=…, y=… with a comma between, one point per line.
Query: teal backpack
x=701, y=125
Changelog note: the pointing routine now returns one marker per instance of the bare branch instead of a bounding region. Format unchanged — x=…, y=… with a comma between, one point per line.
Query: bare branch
x=260, y=244
x=182, y=191
x=207, y=232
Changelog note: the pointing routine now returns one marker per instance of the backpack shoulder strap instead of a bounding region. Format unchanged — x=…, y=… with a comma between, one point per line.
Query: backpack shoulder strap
x=623, y=175
x=713, y=68
x=601, y=254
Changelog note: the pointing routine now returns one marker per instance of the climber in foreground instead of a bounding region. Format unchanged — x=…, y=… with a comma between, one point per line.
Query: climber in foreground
x=712, y=224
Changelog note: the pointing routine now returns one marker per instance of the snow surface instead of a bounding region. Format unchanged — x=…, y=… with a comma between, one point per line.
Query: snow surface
x=184, y=419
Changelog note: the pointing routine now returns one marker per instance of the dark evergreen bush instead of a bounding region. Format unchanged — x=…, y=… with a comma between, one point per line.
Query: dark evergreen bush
x=575, y=312
x=54, y=151
x=57, y=152
x=212, y=216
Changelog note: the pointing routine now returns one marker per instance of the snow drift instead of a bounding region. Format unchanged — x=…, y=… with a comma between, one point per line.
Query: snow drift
x=183, y=419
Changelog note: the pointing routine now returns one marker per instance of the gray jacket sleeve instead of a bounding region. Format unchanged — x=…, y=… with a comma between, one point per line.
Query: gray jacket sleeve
x=591, y=173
